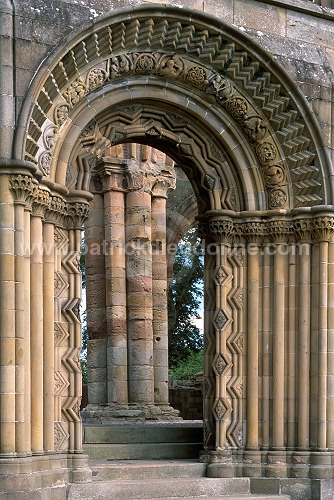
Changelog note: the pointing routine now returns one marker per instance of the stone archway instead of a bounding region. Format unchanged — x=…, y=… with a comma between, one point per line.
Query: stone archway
x=211, y=99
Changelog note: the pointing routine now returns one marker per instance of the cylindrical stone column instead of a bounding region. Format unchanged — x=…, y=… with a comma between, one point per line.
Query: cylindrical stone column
x=48, y=337
x=278, y=347
x=139, y=296
x=7, y=319
x=253, y=284
x=96, y=302
x=322, y=345
x=27, y=359
x=36, y=318
x=266, y=346
x=20, y=431
x=304, y=316
x=112, y=173
x=159, y=289
x=291, y=347
x=330, y=346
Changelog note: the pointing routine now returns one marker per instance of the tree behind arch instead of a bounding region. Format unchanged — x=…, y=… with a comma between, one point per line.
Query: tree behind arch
x=184, y=299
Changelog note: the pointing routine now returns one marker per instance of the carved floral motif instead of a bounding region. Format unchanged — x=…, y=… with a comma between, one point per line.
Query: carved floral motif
x=266, y=152
x=75, y=92
x=237, y=107
x=22, y=187
x=196, y=76
x=60, y=114
x=277, y=198
x=96, y=78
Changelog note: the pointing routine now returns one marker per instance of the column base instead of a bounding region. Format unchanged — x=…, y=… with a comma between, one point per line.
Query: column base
x=43, y=477
x=271, y=464
x=129, y=412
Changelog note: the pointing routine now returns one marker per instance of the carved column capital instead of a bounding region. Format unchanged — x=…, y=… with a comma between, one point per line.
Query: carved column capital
x=323, y=228
x=76, y=214
x=164, y=183
x=303, y=229
x=253, y=231
x=223, y=230
x=278, y=231
x=40, y=201
x=22, y=187
x=112, y=174
x=55, y=211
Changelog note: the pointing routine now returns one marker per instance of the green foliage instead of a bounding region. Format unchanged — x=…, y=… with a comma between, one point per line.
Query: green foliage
x=188, y=367
x=84, y=370
x=184, y=299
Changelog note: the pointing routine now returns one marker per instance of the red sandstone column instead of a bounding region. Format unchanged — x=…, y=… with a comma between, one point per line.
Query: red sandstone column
x=139, y=291
x=112, y=173
x=159, y=287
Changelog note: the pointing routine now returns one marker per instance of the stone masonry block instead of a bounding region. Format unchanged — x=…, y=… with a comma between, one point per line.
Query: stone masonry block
x=247, y=14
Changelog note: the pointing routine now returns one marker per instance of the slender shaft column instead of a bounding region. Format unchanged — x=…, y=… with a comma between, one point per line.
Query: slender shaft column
x=322, y=345
x=95, y=251
x=278, y=348
x=20, y=431
x=139, y=295
x=291, y=348
x=304, y=345
x=163, y=184
x=160, y=309
x=209, y=345
x=7, y=319
x=27, y=377
x=22, y=188
x=48, y=337
x=36, y=317
x=253, y=348
x=330, y=346
x=266, y=347
x=77, y=340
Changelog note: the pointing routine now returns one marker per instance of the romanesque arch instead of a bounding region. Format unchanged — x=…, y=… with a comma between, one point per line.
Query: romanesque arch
x=217, y=104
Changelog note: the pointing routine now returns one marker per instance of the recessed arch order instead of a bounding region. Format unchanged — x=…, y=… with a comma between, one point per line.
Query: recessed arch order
x=189, y=84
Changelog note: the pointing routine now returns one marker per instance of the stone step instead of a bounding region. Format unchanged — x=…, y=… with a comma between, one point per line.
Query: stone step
x=139, y=489
x=229, y=497
x=143, y=433
x=147, y=469
x=142, y=451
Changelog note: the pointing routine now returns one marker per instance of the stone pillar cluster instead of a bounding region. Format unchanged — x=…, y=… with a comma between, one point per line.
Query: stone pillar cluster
x=127, y=296
x=40, y=374
x=269, y=351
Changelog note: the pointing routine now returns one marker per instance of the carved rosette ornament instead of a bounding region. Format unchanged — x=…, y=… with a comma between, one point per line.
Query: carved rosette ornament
x=174, y=66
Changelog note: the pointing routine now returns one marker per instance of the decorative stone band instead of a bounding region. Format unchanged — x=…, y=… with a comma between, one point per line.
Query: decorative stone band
x=53, y=208
x=175, y=67
x=278, y=230
x=120, y=175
